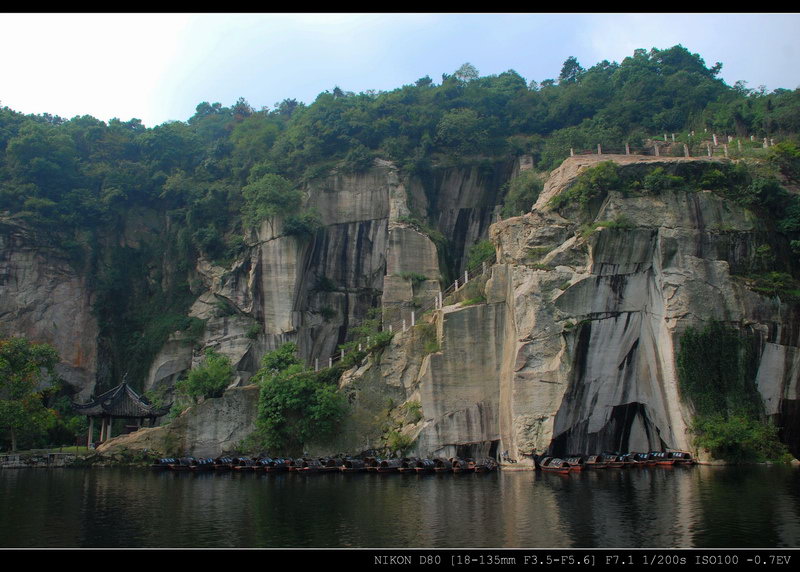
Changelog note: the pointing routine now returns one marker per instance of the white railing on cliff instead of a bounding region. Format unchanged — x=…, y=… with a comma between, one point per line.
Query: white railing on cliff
x=697, y=146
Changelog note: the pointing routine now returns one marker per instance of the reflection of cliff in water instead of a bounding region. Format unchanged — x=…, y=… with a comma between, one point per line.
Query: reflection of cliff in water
x=761, y=496
x=625, y=507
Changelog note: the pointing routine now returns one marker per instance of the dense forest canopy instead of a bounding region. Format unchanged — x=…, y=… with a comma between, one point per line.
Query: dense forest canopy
x=83, y=172
x=218, y=173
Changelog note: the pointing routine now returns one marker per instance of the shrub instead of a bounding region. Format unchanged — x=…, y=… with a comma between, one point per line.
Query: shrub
x=522, y=194
x=479, y=252
x=415, y=278
x=327, y=313
x=413, y=411
x=739, y=439
x=325, y=284
x=295, y=403
x=427, y=334
x=396, y=441
x=302, y=225
x=658, y=179
x=253, y=331
x=209, y=379
x=716, y=373
x=593, y=183
x=268, y=196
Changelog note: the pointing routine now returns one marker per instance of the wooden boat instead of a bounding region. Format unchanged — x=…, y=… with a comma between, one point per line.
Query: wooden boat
x=277, y=465
x=183, y=464
x=241, y=464
x=408, y=465
x=372, y=464
x=353, y=466
x=613, y=460
x=662, y=458
x=306, y=466
x=261, y=464
x=389, y=465
x=463, y=465
x=594, y=462
x=640, y=460
x=486, y=465
x=442, y=465
x=163, y=464
x=576, y=463
x=330, y=464
x=555, y=465
x=652, y=458
x=683, y=458
x=202, y=464
x=424, y=466
x=223, y=463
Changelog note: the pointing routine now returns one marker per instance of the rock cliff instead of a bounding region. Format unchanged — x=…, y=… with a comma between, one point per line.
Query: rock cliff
x=43, y=298
x=567, y=343
x=374, y=250
x=574, y=349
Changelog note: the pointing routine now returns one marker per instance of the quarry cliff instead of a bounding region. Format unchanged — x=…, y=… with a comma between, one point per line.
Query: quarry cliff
x=567, y=342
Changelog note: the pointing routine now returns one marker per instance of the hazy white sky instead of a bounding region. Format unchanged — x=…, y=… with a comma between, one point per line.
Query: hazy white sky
x=158, y=67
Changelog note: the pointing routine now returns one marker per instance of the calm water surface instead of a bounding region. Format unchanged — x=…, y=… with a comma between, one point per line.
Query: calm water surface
x=698, y=507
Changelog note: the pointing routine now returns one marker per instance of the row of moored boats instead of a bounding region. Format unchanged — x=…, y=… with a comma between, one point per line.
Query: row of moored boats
x=612, y=461
x=328, y=464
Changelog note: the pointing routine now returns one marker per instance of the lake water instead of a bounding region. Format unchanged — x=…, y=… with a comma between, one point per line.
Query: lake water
x=657, y=507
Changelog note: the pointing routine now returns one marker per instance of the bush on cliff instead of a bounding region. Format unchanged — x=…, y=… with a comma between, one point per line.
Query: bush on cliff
x=295, y=405
x=716, y=373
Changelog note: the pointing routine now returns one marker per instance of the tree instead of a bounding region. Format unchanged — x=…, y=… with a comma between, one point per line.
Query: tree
x=571, y=71
x=268, y=196
x=466, y=73
x=295, y=404
x=210, y=379
x=461, y=130
x=24, y=366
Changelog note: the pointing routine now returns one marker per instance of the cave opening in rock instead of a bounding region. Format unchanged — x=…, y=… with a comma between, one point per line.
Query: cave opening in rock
x=629, y=428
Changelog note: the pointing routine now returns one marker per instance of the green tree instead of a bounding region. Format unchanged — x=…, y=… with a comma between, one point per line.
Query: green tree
x=270, y=195
x=571, y=71
x=296, y=405
x=466, y=73
x=209, y=379
x=523, y=191
x=461, y=130
x=24, y=367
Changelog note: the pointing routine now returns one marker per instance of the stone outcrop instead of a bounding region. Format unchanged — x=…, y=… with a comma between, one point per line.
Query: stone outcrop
x=574, y=349
x=204, y=430
x=369, y=253
x=45, y=299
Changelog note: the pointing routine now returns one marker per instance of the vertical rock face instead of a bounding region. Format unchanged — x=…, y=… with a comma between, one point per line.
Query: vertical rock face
x=574, y=350
x=284, y=288
x=609, y=309
x=43, y=298
x=311, y=290
x=464, y=202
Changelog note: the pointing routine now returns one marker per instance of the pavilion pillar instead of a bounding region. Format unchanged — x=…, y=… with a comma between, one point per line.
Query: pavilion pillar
x=108, y=429
x=91, y=431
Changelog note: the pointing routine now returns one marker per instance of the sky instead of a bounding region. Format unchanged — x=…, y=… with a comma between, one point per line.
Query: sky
x=158, y=67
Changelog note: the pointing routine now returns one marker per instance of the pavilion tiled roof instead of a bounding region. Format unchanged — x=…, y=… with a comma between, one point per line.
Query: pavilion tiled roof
x=121, y=401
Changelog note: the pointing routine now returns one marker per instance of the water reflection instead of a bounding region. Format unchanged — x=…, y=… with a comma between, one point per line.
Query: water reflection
x=654, y=507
